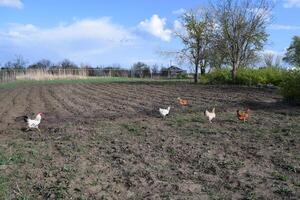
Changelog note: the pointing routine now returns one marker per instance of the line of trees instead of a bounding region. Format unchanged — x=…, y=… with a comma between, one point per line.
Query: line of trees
x=228, y=32
x=138, y=69
x=19, y=63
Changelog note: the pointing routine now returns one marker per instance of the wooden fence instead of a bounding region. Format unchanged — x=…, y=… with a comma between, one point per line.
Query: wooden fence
x=7, y=75
x=51, y=74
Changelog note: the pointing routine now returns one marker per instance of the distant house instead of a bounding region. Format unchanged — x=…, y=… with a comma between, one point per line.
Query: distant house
x=172, y=71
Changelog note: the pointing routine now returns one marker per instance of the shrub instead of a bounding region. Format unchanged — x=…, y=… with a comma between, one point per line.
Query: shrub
x=290, y=87
x=219, y=76
x=248, y=76
x=182, y=76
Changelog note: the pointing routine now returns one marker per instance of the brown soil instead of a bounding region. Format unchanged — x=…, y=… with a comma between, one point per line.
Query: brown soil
x=107, y=141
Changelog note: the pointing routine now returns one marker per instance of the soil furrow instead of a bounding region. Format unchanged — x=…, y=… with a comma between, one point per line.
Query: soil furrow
x=124, y=99
x=112, y=99
x=75, y=102
x=60, y=101
x=123, y=104
x=16, y=107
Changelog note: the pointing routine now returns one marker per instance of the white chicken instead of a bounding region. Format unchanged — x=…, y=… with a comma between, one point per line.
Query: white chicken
x=210, y=115
x=164, y=112
x=33, y=123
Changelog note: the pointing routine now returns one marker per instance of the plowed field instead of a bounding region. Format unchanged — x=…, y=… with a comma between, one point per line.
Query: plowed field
x=107, y=141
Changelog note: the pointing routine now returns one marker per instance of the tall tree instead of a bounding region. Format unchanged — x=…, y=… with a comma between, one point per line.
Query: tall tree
x=140, y=70
x=271, y=60
x=67, y=64
x=242, y=29
x=42, y=64
x=17, y=63
x=155, y=69
x=292, y=56
x=268, y=59
x=196, y=37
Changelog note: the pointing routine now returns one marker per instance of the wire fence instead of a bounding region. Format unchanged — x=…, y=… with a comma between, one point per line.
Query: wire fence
x=8, y=75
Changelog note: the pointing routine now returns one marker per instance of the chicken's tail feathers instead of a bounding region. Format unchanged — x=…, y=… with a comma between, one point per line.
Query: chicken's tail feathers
x=25, y=118
x=21, y=118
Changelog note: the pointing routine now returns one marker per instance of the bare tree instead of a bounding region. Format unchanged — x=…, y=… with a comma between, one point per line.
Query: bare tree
x=17, y=63
x=140, y=70
x=196, y=37
x=67, y=64
x=272, y=60
x=42, y=64
x=155, y=69
x=268, y=59
x=277, y=62
x=242, y=29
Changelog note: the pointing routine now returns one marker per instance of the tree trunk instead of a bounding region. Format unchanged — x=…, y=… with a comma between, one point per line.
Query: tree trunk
x=202, y=70
x=234, y=72
x=196, y=74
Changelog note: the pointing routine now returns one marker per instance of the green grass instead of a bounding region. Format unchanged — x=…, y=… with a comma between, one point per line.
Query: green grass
x=279, y=176
x=3, y=186
x=90, y=80
x=284, y=191
x=135, y=129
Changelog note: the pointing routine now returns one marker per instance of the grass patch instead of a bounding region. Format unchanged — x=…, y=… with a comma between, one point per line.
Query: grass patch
x=3, y=159
x=171, y=150
x=90, y=80
x=279, y=176
x=16, y=158
x=134, y=129
x=178, y=121
x=284, y=192
x=3, y=187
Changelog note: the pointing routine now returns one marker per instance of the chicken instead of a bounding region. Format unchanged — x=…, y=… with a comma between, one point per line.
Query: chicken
x=243, y=115
x=183, y=102
x=210, y=115
x=33, y=123
x=164, y=112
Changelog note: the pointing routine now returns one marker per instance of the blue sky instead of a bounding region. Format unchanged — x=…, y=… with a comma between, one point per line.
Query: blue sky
x=103, y=32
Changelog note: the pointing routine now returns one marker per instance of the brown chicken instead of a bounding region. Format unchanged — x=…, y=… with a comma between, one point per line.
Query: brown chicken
x=243, y=115
x=183, y=102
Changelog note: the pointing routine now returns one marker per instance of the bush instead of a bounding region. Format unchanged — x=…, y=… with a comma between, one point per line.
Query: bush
x=290, y=87
x=182, y=76
x=219, y=76
x=248, y=76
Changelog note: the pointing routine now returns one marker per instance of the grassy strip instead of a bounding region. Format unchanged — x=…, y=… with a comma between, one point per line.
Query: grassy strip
x=89, y=80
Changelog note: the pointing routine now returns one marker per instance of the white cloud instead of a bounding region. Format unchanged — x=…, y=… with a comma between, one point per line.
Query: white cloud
x=88, y=37
x=276, y=53
x=178, y=26
x=12, y=3
x=283, y=27
x=179, y=11
x=291, y=3
x=156, y=27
